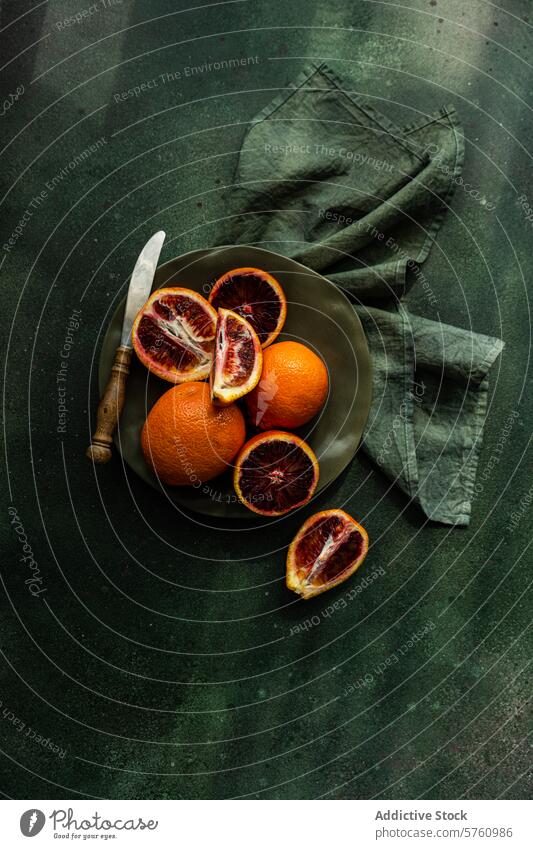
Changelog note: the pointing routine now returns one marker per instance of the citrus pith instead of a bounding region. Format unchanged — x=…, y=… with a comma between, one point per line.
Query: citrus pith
x=238, y=358
x=329, y=547
x=173, y=335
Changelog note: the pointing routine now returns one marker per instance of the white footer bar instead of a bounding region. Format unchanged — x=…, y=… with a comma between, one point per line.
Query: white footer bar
x=267, y=824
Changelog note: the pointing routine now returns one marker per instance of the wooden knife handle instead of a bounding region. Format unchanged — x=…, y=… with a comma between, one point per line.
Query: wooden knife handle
x=110, y=407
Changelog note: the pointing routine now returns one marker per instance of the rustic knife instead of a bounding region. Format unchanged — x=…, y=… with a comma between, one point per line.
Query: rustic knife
x=112, y=401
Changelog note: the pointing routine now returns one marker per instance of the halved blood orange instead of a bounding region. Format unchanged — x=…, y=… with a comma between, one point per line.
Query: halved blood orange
x=255, y=295
x=173, y=335
x=275, y=472
x=238, y=358
x=327, y=549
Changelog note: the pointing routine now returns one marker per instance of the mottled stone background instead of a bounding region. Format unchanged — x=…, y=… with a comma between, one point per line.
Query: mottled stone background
x=158, y=657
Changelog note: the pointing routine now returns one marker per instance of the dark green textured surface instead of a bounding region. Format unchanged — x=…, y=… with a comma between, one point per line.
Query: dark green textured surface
x=161, y=657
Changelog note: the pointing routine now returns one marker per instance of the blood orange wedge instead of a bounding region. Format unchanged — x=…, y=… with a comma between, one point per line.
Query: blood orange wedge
x=327, y=549
x=275, y=472
x=255, y=295
x=238, y=358
x=173, y=335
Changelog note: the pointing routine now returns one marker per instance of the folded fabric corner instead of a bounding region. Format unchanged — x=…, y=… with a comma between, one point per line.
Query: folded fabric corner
x=327, y=179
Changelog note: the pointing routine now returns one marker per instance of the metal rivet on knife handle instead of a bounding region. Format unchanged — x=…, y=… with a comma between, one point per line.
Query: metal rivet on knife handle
x=110, y=407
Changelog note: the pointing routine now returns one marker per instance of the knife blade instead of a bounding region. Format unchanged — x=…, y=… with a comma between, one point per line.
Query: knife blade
x=112, y=401
x=141, y=283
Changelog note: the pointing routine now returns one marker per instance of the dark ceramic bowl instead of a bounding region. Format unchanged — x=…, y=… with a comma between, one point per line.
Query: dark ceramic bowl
x=318, y=314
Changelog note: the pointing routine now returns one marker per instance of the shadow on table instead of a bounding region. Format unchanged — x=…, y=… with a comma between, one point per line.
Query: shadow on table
x=18, y=34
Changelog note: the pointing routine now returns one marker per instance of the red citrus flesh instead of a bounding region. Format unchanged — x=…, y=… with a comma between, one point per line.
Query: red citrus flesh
x=173, y=335
x=275, y=472
x=327, y=549
x=238, y=358
x=255, y=295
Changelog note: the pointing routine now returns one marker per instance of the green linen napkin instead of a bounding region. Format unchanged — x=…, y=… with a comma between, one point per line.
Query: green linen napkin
x=324, y=178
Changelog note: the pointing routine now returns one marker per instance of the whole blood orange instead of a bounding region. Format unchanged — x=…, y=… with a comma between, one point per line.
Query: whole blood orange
x=327, y=549
x=275, y=472
x=186, y=440
x=292, y=389
x=238, y=358
x=173, y=335
x=255, y=295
